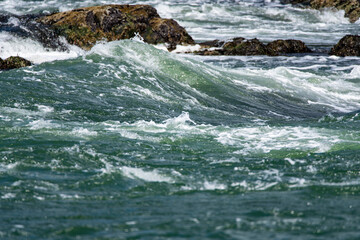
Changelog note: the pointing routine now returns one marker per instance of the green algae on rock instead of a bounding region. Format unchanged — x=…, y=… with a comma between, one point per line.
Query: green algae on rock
x=13, y=62
x=85, y=26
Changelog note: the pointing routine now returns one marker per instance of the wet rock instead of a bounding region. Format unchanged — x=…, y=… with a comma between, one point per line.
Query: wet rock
x=347, y=46
x=297, y=2
x=351, y=7
x=208, y=52
x=85, y=26
x=236, y=46
x=13, y=62
x=289, y=46
x=26, y=26
x=242, y=46
x=212, y=44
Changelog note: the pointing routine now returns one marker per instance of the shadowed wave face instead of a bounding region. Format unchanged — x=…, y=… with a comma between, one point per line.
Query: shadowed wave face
x=130, y=141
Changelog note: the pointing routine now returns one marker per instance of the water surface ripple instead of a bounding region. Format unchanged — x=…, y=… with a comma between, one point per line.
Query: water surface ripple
x=128, y=141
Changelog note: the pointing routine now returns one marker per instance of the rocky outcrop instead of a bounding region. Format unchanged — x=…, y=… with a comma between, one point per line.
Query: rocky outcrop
x=251, y=47
x=289, y=46
x=351, y=7
x=347, y=46
x=13, y=62
x=85, y=26
x=241, y=46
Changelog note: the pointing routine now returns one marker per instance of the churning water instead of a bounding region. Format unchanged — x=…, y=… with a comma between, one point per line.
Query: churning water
x=128, y=141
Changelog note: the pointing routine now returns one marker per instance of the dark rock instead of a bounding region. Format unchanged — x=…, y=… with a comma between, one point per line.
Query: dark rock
x=207, y=52
x=287, y=46
x=166, y=31
x=13, y=62
x=84, y=27
x=240, y=46
x=212, y=44
x=297, y=2
x=236, y=46
x=28, y=27
x=347, y=46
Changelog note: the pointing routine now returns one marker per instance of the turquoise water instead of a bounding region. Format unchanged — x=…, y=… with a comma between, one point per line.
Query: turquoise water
x=128, y=141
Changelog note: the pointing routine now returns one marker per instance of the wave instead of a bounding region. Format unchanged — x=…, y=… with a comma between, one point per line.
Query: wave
x=139, y=80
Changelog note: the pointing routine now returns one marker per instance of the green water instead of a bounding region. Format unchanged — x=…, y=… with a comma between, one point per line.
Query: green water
x=130, y=142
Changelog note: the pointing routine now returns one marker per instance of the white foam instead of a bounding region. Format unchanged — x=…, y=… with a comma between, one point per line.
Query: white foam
x=68, y=196
x=45, y=109
x=264, y=139
x=186, y=48
x=331, y=16
x=7, y=167
x=42, y=124
x=14, y=21
x=83, y=132
x=255, y=139
x=213, y=186
x=177, y=124
x=316, y=89
x=297, y=182
x=355, y=72
x=148, y=176
x=33, y=51
x=8, y=196
x=19, y=111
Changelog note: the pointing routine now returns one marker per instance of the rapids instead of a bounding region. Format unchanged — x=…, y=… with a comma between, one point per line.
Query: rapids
x=128, y=141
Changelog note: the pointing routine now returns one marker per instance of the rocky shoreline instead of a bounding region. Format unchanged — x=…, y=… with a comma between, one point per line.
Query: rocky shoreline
x=86, y=26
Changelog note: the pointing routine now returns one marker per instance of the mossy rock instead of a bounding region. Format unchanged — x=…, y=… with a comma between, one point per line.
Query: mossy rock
x=85, y=26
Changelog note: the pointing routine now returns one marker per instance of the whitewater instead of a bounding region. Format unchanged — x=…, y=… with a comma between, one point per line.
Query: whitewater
x=130, y=141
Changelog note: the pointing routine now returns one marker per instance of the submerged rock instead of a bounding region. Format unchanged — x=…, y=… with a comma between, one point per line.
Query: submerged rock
x=351, y=7
x=347, y=46
x=250, y=47
x=85, y=26
x=13, y=62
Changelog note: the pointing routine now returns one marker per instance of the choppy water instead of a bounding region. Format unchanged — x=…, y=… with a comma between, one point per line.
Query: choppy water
x=128, y=141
